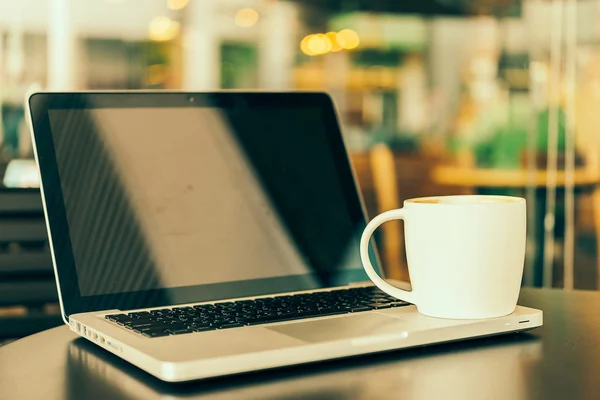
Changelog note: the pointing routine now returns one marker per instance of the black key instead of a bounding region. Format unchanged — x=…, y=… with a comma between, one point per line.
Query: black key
x=156, y=333
x=382, y=301
x=227, y=313
x=299, y=297
x=179, y=315
x=380, y=298
x=287, y=314
x=173, y=326
x=360, y=309
x=219, y=322
x=164, y=315
x=230, y=325
x=247, y=314
x=203, y=328
x=179, y=331
x=204, y=307
x=245, y=302
x=200, y=325
x=267, y=314
x=140, y=320
x=264, y=300
x=399, y=304
x=142, y=325
x=161, y=327
x=329, y=310
x=117, y=317
x=139, y=314
x=380, y=306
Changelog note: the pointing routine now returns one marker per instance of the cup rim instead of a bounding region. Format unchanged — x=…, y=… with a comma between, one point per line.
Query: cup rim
x=422, y=201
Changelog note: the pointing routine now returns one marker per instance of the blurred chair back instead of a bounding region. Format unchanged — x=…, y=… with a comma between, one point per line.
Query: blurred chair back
x=385, y=183
x=28, y=296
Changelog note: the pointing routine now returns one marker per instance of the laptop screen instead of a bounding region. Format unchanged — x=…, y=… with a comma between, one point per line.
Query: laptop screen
x=220, y=199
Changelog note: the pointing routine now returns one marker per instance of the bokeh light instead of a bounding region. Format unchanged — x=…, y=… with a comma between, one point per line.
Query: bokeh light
x=335, y=46
x=177, y=4
x=319, y=44
x=304, y=46
x=163, y=28
x=246, y=17
x=323, y=43
x=348, y=39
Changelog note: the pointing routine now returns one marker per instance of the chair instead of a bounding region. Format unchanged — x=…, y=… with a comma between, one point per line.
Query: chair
x=28, y=296
x=385, y=183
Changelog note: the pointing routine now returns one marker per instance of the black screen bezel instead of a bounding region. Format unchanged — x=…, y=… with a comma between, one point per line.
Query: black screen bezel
x=72, y=301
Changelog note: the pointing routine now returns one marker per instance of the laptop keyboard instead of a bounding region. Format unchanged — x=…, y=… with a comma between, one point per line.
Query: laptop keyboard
x=207, y=317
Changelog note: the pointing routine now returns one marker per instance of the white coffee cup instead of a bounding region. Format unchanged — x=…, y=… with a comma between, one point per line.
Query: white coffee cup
x=465, y=254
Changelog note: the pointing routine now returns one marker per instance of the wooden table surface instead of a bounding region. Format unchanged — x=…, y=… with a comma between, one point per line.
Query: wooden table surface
x=558, y=361
x=508, y=178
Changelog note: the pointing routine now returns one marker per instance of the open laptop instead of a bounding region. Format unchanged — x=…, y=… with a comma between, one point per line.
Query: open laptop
x=198, y=235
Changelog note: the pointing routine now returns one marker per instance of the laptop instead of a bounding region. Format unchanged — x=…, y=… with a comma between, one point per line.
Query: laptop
x=199, y=235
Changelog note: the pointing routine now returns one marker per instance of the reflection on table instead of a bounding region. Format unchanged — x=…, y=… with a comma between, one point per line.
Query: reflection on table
x=421, y=378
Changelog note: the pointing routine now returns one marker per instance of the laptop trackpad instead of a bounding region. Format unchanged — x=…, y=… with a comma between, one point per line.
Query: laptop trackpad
x=341, y=328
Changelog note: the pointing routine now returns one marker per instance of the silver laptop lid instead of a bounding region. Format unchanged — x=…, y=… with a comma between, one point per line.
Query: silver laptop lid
x=165, y=198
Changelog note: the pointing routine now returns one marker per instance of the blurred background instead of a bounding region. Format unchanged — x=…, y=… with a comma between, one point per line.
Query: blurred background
x=434, y=96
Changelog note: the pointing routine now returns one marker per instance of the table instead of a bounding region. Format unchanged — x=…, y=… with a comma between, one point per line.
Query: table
x=513, y=178
x=560, y=360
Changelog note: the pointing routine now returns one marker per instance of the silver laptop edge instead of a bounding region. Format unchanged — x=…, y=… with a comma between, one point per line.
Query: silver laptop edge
x=174, y=360
x=50, y=241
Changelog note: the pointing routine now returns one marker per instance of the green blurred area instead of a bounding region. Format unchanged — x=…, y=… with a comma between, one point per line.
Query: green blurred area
x=499, y=138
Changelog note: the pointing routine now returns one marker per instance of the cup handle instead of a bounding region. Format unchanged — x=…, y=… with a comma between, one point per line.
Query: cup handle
x=366, y=262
